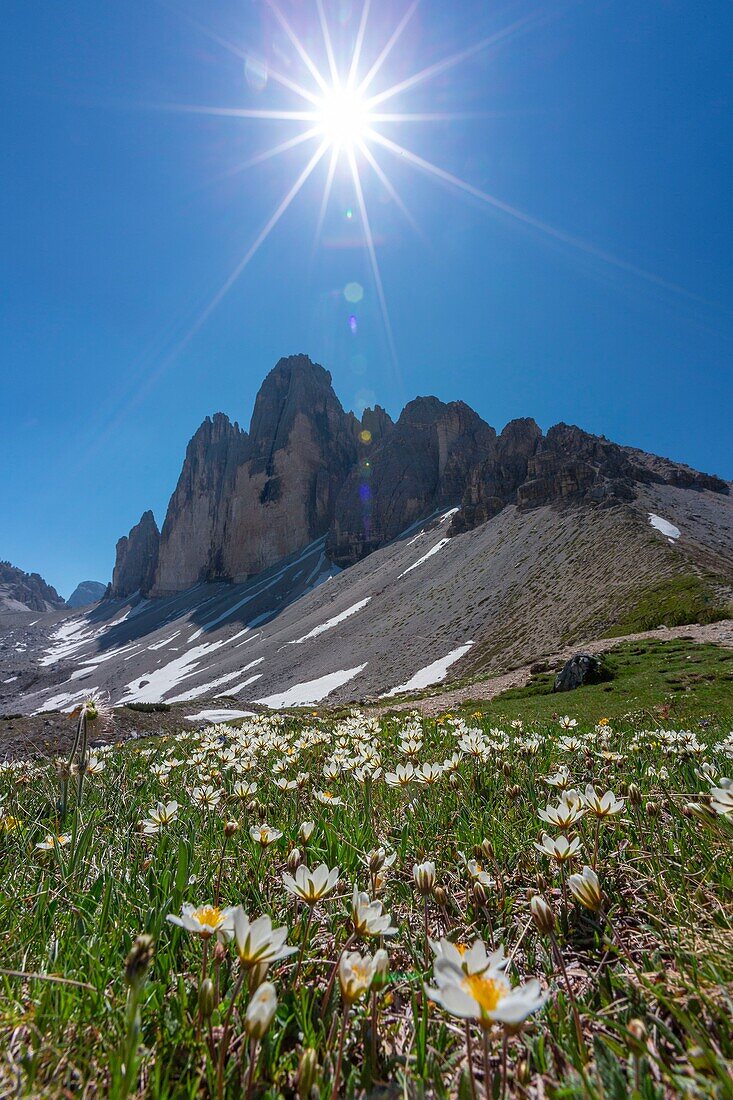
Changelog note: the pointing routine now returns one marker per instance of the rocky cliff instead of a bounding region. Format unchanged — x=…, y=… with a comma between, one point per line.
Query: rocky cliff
x=302, y=446
x=136, y=558
x=21, y=591
x=308, y=469
x=422, y=463
x=192, y=539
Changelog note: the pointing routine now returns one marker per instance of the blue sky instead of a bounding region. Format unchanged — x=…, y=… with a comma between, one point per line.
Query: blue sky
x=121, y=218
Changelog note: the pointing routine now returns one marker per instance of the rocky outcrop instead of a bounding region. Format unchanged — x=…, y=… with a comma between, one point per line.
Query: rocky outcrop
x=302, y=446
x=192, y=539
x=21, y=591
x=567, y=465
x=494, y=483
x=422, y=463
x=86, y=593
x=136, y=559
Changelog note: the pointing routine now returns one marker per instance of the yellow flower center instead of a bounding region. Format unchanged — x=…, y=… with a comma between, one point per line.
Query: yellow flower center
x=487, y=992
x=209, y=916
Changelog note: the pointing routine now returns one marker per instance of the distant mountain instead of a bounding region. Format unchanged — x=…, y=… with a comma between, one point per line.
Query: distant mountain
x=86, y=593
x=21, y=591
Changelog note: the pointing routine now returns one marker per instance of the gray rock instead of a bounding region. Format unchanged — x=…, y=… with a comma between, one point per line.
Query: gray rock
x=581, y=669
x=136, y=558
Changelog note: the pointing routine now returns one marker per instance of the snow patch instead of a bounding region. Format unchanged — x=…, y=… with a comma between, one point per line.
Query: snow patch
x=433, y=550
x=332, y=622
x=244, y=684
x=664, y=526
x=431, y=674
x=152, y=686
x=312, y=691
x=218, y=715
x=164, y=642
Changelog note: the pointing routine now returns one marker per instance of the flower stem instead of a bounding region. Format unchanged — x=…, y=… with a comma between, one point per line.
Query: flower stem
x=251, y=1070
x=306, y=930
x=334, y=972
x=582, y=1048
x=487, y=1065
x=339, y=1060
x=224, y=1046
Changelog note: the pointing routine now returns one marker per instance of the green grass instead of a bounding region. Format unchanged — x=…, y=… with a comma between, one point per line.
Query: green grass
x=676, y=601
x=657, y=961
x=677, y=681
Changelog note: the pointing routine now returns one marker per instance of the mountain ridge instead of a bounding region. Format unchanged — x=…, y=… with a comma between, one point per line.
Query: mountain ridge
x=307, y=468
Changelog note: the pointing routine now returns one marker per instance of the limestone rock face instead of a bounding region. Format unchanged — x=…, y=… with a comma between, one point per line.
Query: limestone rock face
x=307, y=468
x=191, y=542
x=493, y=484
x=21, y=591
x=566, y=465
x=420, y=464
x=302, y=446
x=136, y=559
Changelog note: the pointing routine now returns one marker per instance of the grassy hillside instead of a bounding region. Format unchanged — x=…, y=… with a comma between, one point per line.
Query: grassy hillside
x=632, y=996
x=676, y=682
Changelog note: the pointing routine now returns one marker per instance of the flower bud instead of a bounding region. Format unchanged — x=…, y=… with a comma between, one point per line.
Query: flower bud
x=424, y=876
x=637, y=1030
x=506, y=768
x=586, y=889
x=376, y=860
x=307, y=1073
x=260, y=1011
x=634, y=794
x=543, y=915
x=440, y=896
x=207, y=998
x=230, y=828
x=295, y=858
x=652, y=809
x=454, y=780
x=381, y=969
x=138, y=960
x=479, y=893
x=306, y=831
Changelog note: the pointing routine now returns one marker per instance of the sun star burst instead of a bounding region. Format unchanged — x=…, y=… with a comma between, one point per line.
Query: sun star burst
x=340, y=112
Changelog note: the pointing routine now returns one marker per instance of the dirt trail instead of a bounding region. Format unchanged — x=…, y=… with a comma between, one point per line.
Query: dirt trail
x=720, y=633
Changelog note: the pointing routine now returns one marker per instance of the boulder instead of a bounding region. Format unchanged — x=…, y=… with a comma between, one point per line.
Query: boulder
x=581, y=669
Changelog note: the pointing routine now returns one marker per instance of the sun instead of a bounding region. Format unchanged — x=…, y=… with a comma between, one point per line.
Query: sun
x=343, y=117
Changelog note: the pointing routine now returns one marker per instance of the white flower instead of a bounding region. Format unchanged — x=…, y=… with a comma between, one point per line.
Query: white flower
x=368, y=917
x=424, y=876
x=264, y=834
x=204, y=920
x=260, y=1011
x=560, y=849
x=402, y=776
x=311, y=886
x=483, y=993
x=602, y=805
x=205, y=797
x=564, y=814
x=329, y=799
x=356, y=973
x=721, y=798
x=50, y=842
x=567, y=723
x=164, y=813
x=257, y=941
x=469, y=960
